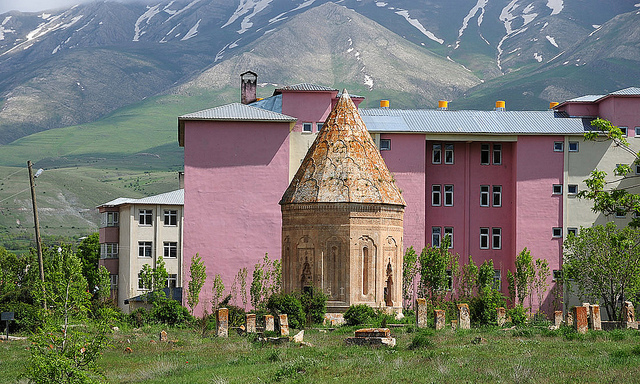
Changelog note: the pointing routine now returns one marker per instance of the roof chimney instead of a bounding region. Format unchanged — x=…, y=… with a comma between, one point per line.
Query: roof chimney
x=443, y=105
x=249, y=82
x=500, y=105
x=384, y=103
x=553, y=104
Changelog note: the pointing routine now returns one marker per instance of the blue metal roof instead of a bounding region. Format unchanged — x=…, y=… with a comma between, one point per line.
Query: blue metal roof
x=273, y=103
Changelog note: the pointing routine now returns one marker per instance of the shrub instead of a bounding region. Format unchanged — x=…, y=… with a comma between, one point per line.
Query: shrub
x=422, y=340
x=139, y=317
x=518, y=315
x=170, y=312
x=483, y=307
x=27, y=316
x=359, y=314
x=314, y=304
x=289, y=304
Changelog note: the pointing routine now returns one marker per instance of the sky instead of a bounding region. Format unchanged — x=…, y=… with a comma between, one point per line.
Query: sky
x=39, y=5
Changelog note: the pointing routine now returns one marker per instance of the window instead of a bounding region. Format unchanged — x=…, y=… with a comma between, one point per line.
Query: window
x=435, y=237
x=448, y=153
x=448, y=195
x=624, y=131
x=484, y=238
x=307, y=127
x=109, y=250
x=497, y=279
x=572, y=189
x=319, y=126
x=448, y=232
x=110, y=219
x=573, y=146
x=113, y=279
x=436, y=154
x=557, y=231
x=172, y=280
x=496, y=238
x=497, y=195
x=140, y=282
x=144, y=249
x=557, y=189
x=146, y=217
x=170, y=249
x=497, y=154
x=558, y=146
x=449, y=286
x=637, y=131
x=484, y=154
x=620, y=213
x=171, y=218
x=385, y=144
x=572, y=231
x=435, y=195
x=484, y=195
x=638, y=168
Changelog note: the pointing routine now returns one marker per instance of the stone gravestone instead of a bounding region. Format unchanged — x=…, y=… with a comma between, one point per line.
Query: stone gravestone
x=439, y=316
x=163, y=336
x=557, y=319
x=580, y=318
x=222, y=322
x=501, y=315
x=629, y=315
x=595, y=322
x=283, y=323
x=251, y=323
x=569, y=319
x=269, y=323
x=372, y=337
x=454, y=324
x=421, y=304
x=464, y=319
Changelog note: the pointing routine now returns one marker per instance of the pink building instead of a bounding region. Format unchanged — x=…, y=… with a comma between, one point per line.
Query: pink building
x=497, y=181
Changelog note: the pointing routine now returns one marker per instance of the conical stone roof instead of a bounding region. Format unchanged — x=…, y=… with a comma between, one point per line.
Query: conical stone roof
x=343, y=164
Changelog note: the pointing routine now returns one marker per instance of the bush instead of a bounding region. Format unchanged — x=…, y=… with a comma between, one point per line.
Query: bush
x=28, y=317
x=314, y=305
x=483, y=307
x=359, y=314
x=422, y=340
x=170, y=312
x=289, y=304
x=139, y=317
x=517, y=314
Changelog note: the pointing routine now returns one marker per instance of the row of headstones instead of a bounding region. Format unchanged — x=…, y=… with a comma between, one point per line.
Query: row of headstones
x=464, y=318
x=222, y=323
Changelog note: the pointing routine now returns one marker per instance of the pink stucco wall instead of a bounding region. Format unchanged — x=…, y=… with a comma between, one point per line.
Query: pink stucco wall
x=307, y=107
x=405, y=160
x=621, y=111
x=580, y=109
x=235, y=174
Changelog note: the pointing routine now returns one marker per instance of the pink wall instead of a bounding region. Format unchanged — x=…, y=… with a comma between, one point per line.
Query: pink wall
x=405, y=160
x=235, y=175
x=110, y=264
x=307, y=107
x=621, y=111
x=109, y=234
x=581, y=109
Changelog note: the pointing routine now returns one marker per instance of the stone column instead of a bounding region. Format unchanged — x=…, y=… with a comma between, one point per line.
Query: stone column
x=594, y=317
x=269, y=323
x=421, y=305
x=222, y=322
x=580, y=317
x=557, y=319
x=251, y=323
x=569, y=319
x=439, y=318
x=283, y=322
x=464, y=320
x=629, y=315
x=501, y=315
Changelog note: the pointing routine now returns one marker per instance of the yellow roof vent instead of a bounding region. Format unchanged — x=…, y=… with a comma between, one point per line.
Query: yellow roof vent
x=553, y=104
x=443, y=105
x=384, y=103
x=500, y=105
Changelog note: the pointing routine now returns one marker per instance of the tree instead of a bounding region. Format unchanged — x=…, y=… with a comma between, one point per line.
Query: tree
x=267, y=279
x=410, y=268
x=523, y=277
x=436, y=266
x=198, y=276
x=468, y=278
x=604, y=262
x=607, y=197
x=539, y=284
x=89, y=254
x=154, y=280
x=217, y=291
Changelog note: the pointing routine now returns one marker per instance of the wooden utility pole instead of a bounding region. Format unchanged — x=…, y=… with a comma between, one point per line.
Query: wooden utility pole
x=37, y=227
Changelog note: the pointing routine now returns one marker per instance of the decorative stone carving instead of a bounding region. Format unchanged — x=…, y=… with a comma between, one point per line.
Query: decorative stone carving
x=569, y=319
x=557, y=319
x=269, y=325
x=580, y=317
x=629, y=315
x=421, y=305
x=454, y=325
x=594, y=317
x=251, y=323
x=283, y=323
x=464, y=319
x=501, y=316
x=439, y=318
x=222, y=322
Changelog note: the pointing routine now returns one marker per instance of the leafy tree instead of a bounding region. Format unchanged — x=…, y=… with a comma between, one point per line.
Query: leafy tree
x=154, y=280
x=604, y=262
x=436, y=265
x=483, y=307
x=523, y=277
x=198, y=276
x=539, y=284
x=267, y=280
x=410, y=268
x=103, y=282
x=217, y=291
x=89, y=254
x=468, y=278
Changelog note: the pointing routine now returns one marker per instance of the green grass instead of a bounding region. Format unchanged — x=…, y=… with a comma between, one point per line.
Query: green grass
x=534, y=356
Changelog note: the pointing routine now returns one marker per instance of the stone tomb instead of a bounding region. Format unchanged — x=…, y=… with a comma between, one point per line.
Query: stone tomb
x=374, y=337
x=580, y=318
x=464, y=318
x=421, y=318
x=501, y=316
x=629, y=315
x=269, y=324
x=222, y=322
x=251, y=323
x=595, y=322
x=283, y=324
x=439, y=318
x=557, y=319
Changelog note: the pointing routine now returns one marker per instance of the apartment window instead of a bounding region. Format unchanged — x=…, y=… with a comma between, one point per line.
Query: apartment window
x=484, y=195
x=558, y=146
x=497, y=154
x=170, y=218
x=385, y=144
x=557, y=189
x=448, y=153
x=435, y=237
x=113, y=279
x=307, y=127
x=109, y=250
x=172, y=280
x=620, y=213
x=484, y=154
x=448, y=195
x=319, y=126
x=572, y=231
x=624, y=131
x=497, y=279
x=572, y=189
x=110, y=219
x=573, y=146
x=448, y=233
x=557, y=231
x=141, y=282
x=436, y=154
x=638, y=132
x=496, y=238
x=170, y=249
x=449, y=286
x=146, y=217
x=638, y=168
x=144, y=248
x=435, y=195
x=497, y=195
x=484, y=238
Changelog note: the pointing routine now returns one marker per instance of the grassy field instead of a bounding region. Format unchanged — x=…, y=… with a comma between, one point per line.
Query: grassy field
x=524, y=355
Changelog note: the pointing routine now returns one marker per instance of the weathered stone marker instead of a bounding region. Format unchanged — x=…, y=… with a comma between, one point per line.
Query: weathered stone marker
x=283, y=323
x=372, y=337
x=454, y=324
x=163, y=336
x=421, y=304
x=222, y=322
x=464, y=319
x=439, y=316
x=580, y=317
x=501, y=316
x=569, y=319
x=629, y=315
x=269, y=324
x=595, y=322
x=557, y=319
x=251, y=323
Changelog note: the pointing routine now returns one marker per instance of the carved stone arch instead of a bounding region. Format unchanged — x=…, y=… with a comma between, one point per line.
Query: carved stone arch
x=335, y=266
x=368, y=260
x=304, y=272
x=390, y=253
x=287, y=263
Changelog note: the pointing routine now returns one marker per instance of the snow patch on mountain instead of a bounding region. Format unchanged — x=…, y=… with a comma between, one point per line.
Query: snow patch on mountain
x=597, y=29
x=167, y=10
x=145, y=18
x=3, y=30
x=507, y=16
x=538, y=57
x=191, y=4
x=245, y=7
x=556, y=6
x=163, y=40
x=192, y=32
x=479, y=7
x=552, y=41
x=368, y=81
x=418, y=26
x=282, y=15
